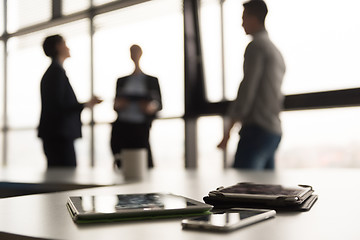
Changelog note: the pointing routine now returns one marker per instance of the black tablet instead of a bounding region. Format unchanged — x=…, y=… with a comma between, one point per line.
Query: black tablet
x=122, y=207
x=270, y=192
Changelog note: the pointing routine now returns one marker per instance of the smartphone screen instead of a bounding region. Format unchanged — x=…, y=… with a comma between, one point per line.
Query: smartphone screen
x=228, y=220
x=224, y=219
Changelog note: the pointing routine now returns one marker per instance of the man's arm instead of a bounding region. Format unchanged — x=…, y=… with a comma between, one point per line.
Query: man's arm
x=240, y=108
x=253, y=69
x=226, y=137
x=54, y=91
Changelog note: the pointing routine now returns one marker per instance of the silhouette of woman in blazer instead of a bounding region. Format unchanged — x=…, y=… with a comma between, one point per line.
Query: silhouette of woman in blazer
x=137, y=100
x=60, y=122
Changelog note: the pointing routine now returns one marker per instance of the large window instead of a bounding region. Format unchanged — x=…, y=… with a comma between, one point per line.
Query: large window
x=24, y=149
x=1, y=97
x=166, y=138
x=317, y=40
x=2, y=16
x=100, y=2
x=1, y=84
x=157, y=27
x=320, y=138
x=26, y=65
x=319, y=44
x=71, y=6
x=210, y=28
x=24, y=79
x=223, y=72
x=167, y=142
x=209, y=135
x=235, y=42
x=24, y=13
x=23, y=100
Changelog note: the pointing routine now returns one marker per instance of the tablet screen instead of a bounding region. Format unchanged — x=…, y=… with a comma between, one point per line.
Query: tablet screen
x=262, y=189
x=116, y=203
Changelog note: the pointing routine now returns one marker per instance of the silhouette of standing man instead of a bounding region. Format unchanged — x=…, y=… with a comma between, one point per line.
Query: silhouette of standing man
x=60, y=122
x=137, y=100
x=259, y=100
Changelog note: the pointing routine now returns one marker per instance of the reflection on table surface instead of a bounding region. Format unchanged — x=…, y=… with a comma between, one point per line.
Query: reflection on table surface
x=21, y=181
x=94, y=176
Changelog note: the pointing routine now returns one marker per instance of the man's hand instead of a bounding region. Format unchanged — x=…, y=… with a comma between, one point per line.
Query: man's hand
x=222, y=145
x=120, y=103
x=149, y=107
x=92, y=102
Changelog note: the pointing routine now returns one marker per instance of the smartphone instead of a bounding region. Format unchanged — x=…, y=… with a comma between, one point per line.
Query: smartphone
x=228, y=220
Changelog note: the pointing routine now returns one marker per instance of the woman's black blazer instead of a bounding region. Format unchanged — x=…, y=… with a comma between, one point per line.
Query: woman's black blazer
x=60, y=109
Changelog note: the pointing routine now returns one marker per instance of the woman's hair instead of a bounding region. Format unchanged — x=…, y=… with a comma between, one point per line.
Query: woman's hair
x=50, y=44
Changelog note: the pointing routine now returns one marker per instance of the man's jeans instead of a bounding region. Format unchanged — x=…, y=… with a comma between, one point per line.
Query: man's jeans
x=256, y=148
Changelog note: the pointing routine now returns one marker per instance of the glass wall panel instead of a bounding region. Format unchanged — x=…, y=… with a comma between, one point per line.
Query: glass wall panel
x=82, y=148
x=168, y=143
x=71, y=6
x=25, y=150
x=103, y=155
x=1, y=100
x=1, y=17
x=1, y=148
x=24, y=13
x=1, y=84
x=166, y=139
x=235, y=42
x=100, y=2
x=157, y=26
x=313, y=138
x=210, y=132
x=77, y=35
x=210, y=30
x=320, y=138
x=24, y=143
x=321, y=51
x=27, y=63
